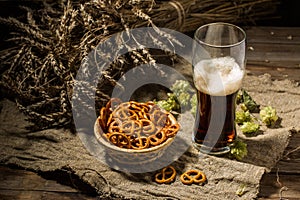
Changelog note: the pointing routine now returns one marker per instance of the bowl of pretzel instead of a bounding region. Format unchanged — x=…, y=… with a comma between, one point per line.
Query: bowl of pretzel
x=134, y=132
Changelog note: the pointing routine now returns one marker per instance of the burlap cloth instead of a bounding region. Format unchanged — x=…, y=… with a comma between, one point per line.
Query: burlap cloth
x=59, y=152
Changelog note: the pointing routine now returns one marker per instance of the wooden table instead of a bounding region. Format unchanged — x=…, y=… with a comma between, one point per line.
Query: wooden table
x=272, y=50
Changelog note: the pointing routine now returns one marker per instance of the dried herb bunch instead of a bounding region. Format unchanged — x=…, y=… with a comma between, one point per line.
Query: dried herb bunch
x=49, y=46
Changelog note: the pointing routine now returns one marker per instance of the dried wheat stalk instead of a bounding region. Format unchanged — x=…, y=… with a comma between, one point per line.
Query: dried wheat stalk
x=39, y=69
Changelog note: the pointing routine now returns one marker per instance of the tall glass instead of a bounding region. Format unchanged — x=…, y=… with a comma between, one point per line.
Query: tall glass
x=218, y=70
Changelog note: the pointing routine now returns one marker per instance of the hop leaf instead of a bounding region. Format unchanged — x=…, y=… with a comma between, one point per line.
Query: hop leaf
x=242, y=116
x=248, y=103
x=268, y=115
x=249, y=127
x=238, y=150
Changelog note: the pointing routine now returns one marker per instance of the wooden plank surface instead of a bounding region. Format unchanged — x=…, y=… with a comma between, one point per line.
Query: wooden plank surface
x=22, y=184
x=274, y=186
x=273, y=50
x=290, y=163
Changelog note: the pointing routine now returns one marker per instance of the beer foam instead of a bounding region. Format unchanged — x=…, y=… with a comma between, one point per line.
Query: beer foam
x=218, y=76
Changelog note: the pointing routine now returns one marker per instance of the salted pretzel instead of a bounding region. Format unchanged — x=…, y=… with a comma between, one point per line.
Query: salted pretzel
x=193, y=176
x=166, y=175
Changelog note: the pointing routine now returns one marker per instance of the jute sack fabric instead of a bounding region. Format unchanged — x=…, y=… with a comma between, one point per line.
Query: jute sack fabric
x=58, y=151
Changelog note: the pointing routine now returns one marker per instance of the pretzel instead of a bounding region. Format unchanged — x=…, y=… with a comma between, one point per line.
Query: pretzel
x=119, y=139
x=124, y=113
x=139, y=106
x=136, y=125
x=148, y=126
x=172, y=130
x=193, y=176
x=160, y=118
x=114, y=126
x=131, y=127
x=166, y=175
x=157, y=138
x=144, y=115
x=140, y=143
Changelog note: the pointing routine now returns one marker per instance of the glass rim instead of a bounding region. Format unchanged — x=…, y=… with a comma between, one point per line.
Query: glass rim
x=220, y=46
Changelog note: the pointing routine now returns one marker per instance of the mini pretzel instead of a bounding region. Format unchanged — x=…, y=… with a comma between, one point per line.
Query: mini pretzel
x=172, y=130
x=119, y=139
x=140, y=143
x=193, y=176
x=166, y=175
x=157, y=138
x=147, y=126
x=131, y=127
x=115, y=126
x=124, y=113
x=139, y=106
x=143, y=114
x=160, y=118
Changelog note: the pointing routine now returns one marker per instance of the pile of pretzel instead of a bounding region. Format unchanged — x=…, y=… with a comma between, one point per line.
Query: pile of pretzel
x=135, y=125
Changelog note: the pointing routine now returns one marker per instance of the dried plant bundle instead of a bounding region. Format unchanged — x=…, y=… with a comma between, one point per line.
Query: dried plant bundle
x=49, y=46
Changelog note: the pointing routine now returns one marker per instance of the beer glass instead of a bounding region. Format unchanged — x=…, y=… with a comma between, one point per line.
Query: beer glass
x=218, y=70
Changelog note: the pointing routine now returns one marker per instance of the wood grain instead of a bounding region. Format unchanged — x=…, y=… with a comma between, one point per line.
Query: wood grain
x=272, y=186
x=22, y=184
x=290, y=163
x=274, y=50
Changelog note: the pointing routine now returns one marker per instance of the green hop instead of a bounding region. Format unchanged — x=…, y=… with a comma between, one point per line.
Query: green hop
x=268, y=115
x=239, y=98
x=238, y=150
x=244, y=107
x=194, y=103
x=249, y=127
x=164, y=105
x=168, y=104
x=184, y=98
x=180, y=86
x=242, y=116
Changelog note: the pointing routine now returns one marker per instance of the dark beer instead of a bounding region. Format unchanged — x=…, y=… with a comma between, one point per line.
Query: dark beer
x=215, y=122
x=217, y=81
